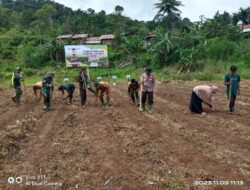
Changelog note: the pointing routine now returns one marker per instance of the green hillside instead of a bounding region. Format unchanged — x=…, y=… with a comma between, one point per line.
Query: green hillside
x=181, y=49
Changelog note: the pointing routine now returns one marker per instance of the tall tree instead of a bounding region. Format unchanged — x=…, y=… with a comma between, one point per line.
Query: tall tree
x=45, y=13
x=161, y=48
x=119, y=9
x=91, y=11
x=168, y=7
x=243, y=15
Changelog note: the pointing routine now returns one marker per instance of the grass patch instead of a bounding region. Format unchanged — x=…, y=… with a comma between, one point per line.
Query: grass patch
x=210, y=70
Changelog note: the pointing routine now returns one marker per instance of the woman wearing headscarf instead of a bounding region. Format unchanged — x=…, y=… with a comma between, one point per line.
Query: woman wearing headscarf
x=202, y=94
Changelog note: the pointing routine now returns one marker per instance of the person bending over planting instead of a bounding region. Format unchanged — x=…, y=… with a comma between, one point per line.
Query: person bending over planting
x=202, y=94
x=69, y=88
x=102, y=88
x=38, y=87
x=133, y=91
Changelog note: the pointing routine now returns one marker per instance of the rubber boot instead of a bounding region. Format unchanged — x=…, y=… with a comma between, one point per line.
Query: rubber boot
x=13, y=99
x=18, y=99
x=70, y=101
x=137, y=102
x=133, y=102
x=102, y=101
x=142, y=109
x=231, y=111
x=108, y=103
x=47, y=107
x=150, y=109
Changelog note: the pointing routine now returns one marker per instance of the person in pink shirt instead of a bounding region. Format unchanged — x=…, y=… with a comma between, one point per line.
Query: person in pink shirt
x=148, y=81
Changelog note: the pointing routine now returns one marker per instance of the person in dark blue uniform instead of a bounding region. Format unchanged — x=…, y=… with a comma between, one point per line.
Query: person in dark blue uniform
x=69, y=88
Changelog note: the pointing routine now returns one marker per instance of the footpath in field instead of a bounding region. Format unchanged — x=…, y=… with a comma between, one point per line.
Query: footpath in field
x=118, y=147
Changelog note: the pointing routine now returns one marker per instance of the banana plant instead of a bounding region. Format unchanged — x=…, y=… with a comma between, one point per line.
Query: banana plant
x=161, y=48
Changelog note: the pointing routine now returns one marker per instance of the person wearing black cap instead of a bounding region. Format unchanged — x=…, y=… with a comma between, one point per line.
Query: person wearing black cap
x=148, y=82
x=232, y=81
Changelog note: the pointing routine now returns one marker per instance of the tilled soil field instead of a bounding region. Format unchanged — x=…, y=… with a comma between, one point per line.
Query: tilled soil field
x=119, y=148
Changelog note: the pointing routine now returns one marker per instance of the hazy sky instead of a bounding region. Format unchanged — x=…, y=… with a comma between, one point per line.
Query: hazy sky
x=144, y=9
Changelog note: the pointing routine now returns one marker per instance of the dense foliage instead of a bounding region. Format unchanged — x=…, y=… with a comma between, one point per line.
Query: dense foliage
x=28, y=30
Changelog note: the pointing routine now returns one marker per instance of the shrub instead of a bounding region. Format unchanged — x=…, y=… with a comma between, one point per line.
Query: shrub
x=220, y=49
x=29, y=72
x=243, y=52
x=33, y=57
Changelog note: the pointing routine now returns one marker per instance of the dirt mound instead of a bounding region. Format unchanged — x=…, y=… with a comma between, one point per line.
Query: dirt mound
x=14, y=135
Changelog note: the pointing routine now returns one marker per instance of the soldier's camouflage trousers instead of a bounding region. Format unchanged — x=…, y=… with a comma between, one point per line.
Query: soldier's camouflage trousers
x=18, y=94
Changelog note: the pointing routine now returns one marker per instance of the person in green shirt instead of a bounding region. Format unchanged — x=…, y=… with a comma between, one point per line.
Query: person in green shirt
x=16, y=82
x=232, y=81
x=69, y=88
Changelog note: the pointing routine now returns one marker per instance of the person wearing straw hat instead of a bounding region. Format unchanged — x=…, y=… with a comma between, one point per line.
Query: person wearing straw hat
x=148, y=81
x=38, y=87
x=232, y=82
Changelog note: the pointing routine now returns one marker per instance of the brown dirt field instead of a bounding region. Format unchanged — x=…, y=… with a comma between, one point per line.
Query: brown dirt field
x=120, y=148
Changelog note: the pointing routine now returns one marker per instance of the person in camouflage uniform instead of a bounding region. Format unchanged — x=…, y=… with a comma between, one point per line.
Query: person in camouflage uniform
x=16, y=82
x=47, y=88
